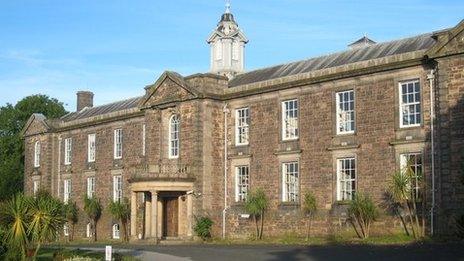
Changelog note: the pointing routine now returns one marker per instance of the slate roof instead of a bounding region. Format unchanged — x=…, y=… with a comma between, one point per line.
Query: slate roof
x=379, y=50
x=363, y=40
x=103, y=109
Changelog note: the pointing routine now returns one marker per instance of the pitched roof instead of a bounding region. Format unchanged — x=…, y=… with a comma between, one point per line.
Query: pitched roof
x=379, y=50
x=363, y=40
x=103, y=109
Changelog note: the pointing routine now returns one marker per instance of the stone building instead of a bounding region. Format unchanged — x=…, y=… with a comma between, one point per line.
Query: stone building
x=196, y=145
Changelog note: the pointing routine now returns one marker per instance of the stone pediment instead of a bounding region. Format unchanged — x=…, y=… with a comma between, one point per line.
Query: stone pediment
x=449, y=42
x=169, y=88
x=35, y=125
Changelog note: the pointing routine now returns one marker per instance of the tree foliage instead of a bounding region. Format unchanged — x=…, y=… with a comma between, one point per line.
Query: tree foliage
x=93, y=209
x=71, y=213
x=256, y=204
x=12, y=120
x=121, y=211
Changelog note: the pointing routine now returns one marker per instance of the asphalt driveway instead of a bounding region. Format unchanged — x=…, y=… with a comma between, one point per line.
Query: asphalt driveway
x=448, y=252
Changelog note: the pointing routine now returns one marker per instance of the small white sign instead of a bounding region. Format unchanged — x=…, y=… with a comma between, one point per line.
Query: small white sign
x=245, y=215
x=108, y=253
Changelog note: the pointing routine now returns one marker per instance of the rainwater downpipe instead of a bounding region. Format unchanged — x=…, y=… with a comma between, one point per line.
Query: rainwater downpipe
x=59, y=167
x=226, y=112
x=431, y=78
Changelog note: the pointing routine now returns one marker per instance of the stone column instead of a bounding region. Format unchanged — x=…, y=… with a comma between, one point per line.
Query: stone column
x=154, y=214
x=148, y=223
x=189, y=214
x=133, y=220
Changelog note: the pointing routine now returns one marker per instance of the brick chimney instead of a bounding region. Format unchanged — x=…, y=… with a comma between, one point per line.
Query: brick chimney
x=84, y=99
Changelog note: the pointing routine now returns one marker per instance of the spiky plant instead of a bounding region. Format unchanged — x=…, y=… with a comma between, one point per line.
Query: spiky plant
x=71, y=213
x=256, y=204
x=120, y=210
x=93, y=209
x=363, y=212
x=309, y=209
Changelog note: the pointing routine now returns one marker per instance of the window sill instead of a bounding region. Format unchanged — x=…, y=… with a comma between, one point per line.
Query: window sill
x=345, y=134
x=342, y=202
x=289, y=140
x=410, y=127
x=289, y=204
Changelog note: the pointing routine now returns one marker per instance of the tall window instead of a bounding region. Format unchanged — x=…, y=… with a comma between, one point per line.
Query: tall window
x=290, y=119
x=290, y=182
x=414, y=162
x=118, y=144
x=35, y=187
x=143, y=140
x=66, y=230
x=67, y=151
x=66, y=190
x=345, y=112
x=242, y=122
x=117, y=188
x=91, y=148
x=37, y=154
x=235, y=50
x=346, y=177
x=218, y=50
x=116, y=233
x=242, y=183
x=90, y=187
x=174, y=123
x=410, y=104
x=88, y=230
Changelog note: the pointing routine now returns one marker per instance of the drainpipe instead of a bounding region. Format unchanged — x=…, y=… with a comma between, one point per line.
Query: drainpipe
x=431, y=78
x=59, y=167
x=226, y=111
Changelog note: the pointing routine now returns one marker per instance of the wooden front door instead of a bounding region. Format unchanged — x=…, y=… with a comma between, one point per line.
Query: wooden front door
x=170, y=216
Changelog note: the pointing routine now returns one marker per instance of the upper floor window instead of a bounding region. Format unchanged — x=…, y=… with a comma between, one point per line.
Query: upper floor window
x=117, y=188
x=35, y=187
x=91, y=148
x=242, y=183
x=346, y=178
x=143, y=140
x=345, y=112
x=90, y=187
x=242, y=122
x=66, y=190
x=413, y=162
x=290, y=182
x=37, y=154
x=235, y=50
x=290, y=120
x=174, y=124
x=118, y=144
x=410, y=103
x=67, y=151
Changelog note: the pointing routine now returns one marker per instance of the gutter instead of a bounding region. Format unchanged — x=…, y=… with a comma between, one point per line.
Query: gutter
x=431, y=78
x=226, y=111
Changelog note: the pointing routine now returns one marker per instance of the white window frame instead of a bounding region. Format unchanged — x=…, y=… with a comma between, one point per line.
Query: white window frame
x=144, y=134
x=417, y=104
x=37, y=154
x=35, y=187
x=242, y=182
x=242, y=126
x=415, y=166
x=117, y=146
x=290, y=181
x=67, y=189
x=67, y=151
x=290, y=129
x=174, y=136
x=90, y=187
x=88, y=230
x=116, y=231
x=343, y=192
x=345, y=113
x=91, y=147
x=117, y=188
x=66, y=230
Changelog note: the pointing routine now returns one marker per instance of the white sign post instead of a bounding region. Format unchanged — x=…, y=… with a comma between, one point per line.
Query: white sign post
x=108, y=253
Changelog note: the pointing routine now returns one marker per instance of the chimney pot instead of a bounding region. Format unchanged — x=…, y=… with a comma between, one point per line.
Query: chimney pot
x=84, y=99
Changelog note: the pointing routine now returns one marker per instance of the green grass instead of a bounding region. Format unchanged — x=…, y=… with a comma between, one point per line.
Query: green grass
x=47, y=254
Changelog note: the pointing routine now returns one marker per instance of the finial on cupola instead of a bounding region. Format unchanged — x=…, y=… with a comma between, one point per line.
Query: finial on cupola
x=227, y=6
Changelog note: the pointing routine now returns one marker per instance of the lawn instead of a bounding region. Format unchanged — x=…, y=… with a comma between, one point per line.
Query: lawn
x=58, y=254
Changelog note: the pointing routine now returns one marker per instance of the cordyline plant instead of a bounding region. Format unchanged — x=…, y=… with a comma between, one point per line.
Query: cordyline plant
x=404, y=188
x=71, y=214
x=309, y=209
x=362, y=212
x=31, y=222
x=93, y=209
x=120, y=210
x=256, y=204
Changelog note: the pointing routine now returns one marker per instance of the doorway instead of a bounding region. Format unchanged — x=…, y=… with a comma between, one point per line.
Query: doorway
x=170, y=224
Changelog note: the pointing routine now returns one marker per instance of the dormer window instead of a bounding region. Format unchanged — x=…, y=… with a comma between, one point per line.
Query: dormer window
x=37, y=154
x=174, y=126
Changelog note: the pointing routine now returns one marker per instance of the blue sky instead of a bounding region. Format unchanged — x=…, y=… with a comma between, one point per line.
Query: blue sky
x=114, y=48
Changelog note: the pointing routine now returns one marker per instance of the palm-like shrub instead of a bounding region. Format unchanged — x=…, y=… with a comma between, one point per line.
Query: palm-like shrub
x=256, y=204
x=93, y=209
x=71, y=214
x=203, y=227
x=362, y=212
x=309, y=209
x=120, y=210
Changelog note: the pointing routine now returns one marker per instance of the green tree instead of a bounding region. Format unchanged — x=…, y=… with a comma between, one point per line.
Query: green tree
x=12, y=120
x=309, y=209
x=256, y=204
x=71, y=213
x=93, y=209
x=120, y=210
x=362, y=212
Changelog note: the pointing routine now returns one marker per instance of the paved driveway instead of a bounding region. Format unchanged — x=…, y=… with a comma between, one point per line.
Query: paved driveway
x=435, y=252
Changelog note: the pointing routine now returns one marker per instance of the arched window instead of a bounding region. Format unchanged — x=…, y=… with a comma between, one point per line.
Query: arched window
x=174, y=124
x=116, y=234
x=37, y=154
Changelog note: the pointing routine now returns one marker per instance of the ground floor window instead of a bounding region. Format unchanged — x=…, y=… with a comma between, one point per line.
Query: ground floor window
x=36, y=186
x=88, y=230
x=413, y=162
x=116, y=231
x=346, y=178
x=290, y=182
x=242, y=183
x=66, y=230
